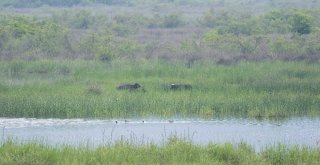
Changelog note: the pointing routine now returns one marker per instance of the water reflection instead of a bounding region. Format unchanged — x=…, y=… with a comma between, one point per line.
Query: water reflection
x=259, y=133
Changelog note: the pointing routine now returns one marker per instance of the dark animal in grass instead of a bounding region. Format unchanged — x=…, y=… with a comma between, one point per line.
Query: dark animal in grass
x=129, y=86
x=180, y=87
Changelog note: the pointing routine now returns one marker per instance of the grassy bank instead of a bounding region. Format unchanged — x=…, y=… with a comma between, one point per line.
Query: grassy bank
x=175, y=151
x=87, y=89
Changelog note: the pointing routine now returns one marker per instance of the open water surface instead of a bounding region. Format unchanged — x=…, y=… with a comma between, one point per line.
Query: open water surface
x=78, y=132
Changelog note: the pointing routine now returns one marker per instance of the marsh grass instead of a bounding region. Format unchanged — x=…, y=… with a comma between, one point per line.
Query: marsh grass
x=87, y=89
x=174, y=151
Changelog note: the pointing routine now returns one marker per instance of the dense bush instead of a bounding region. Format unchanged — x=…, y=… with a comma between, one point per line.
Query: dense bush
x=161, y=30
x=301, y=23
x=29, y=37
x=230, y=42
x=276, y=34
x=277, y=21
x=23, y=35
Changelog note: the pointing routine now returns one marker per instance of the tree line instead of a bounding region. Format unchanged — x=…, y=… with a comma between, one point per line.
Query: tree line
x=284, y=34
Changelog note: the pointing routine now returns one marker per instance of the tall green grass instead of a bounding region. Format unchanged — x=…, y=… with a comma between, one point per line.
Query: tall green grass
x=175, y=151
x=87, y=89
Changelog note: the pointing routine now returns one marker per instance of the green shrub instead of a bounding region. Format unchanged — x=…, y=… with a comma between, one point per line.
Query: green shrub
x=229, y=42
x=277, y=22
x=301, y=23
x=283, y=46
x=23, y=34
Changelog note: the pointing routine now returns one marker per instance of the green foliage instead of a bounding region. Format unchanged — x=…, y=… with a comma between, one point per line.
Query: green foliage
x=281, y=154
x=82, y=19
x=248, y=36
x=238, y=28
x=24, y=35
x=283, y=46
x=88, y=44
x=212, y=36
x=230, y=42
x=175, y=151
x=105, y=47
x=277, y=21
x=311, y=44
x=51, y=38
x=128, y=48
x=87, y=89
x=214, y=19
x=301, y=23
x=230, y=154
x=79, y=32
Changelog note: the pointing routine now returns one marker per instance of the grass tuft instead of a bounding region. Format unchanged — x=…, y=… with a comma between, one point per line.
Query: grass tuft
x=175, y=151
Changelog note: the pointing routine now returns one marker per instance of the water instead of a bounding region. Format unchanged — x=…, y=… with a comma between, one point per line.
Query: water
x=79, y=132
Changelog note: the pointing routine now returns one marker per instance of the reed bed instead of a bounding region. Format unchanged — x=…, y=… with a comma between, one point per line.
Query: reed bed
x=174, y=151
x=87, y=89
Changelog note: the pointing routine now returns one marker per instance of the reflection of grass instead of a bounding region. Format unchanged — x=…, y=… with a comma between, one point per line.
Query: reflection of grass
x=68, y=89
x=175, y=151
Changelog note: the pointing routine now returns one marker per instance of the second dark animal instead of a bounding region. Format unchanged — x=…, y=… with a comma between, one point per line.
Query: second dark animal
x=180, y=87
x=129, y=86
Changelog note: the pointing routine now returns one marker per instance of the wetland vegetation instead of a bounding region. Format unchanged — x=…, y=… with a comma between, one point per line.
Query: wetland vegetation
x=236, y=58
x=88, y=89
x=175, y=151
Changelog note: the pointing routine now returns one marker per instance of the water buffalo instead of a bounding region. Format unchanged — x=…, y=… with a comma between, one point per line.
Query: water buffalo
x=129, y=86
x=180, y=87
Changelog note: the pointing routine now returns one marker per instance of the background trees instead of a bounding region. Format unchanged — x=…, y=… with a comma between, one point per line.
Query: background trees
x=109, y=29
x=24, y=35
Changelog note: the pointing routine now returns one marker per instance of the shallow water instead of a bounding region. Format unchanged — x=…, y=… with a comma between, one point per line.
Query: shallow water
x=294, y=131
